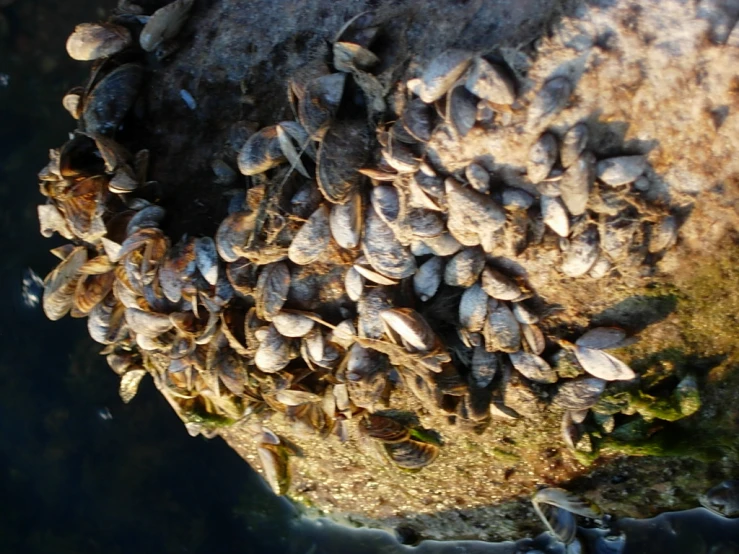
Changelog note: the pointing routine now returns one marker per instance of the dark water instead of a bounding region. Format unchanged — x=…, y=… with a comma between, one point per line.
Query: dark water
x=81, y=472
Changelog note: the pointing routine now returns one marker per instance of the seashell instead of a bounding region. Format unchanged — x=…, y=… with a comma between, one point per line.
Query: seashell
x=478, y=177
x=314, y=343
x=490, y=82
x=484, y=366
x=109, y=102
x=461, y=109
x=353, y=284
x=473, y=308
x=580, y=393
x=343, y=334
x=499, y=286
x=573, y=143
x=61, y=283
x=523, y=314
x=442, y=245
x=464, y=268
x=516, y=199
x=621, y=170
x=147, y=323
x=261, y=152
x=427, y=279
x=83, y=209
x=370, y=274
x=386, y=202
x=581, y=253
x=418, y=120
x=572, y=431
x=91, y=41
x=273, y=353
x=552, y=97
x=164, y=24
x=411, y=326
x=502, y=331
x=292, y=324
x=534, y=337
x=603, y=365
x=349, y=57
x=290, y=152
x=343, y=151
x=602, y=338
x=411, y=454
x=273, y=285
x=130, y=384
x=383, y=428
x=383, y=251
x=233, y=233
x=403, y=157
x=533, y=367
x=557, y=509
x=91, y=289
x=124, y=181
x=424, y=223
x=276, y=467
x=150, y=216
x=296, y=397
x=312, y=240
x=618, y=236
x=106, y=321
x=469, y=212
x=576, y=183
x=442, y=72
x=723, y=499
x=542, y=156
x=206, y=259
x=72, y=102
x=369, y=307
x=52, y=221
x=345, y=222
x=319, y=102
x=663, y=235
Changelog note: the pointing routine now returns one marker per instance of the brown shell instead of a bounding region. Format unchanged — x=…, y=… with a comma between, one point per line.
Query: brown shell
x=384, y=428
x=412, y=454
x=61, y=283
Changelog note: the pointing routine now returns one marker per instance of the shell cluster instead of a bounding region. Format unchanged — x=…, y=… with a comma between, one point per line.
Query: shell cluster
x=353, y=263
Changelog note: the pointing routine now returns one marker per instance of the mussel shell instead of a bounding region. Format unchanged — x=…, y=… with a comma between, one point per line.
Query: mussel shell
x=464, y=268
x=499, y=286
x=603, y=365
x=490, y=82
x=473, y=308
x=343, y=151
x=427, y=279
x=91, y=41
x=383, y=250
x=60, y=284
x=312, y=239
x=384, y=428
x=418, y=120
x=273, y=285
x=110, y=100
x=345, y=222
x=261, y=152
x=411, y=454
x=442, y=72
x=552, y=97
x=164, y=24
x=411, y=326
x=533, y=367
x=601, y=338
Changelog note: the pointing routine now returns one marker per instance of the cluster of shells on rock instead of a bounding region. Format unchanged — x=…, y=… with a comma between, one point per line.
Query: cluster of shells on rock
x=353, y=264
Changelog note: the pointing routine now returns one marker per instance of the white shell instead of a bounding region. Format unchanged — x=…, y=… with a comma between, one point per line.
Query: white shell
x=603, y=365
x=427, y=279
x=555, y=215
x=621, y=170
